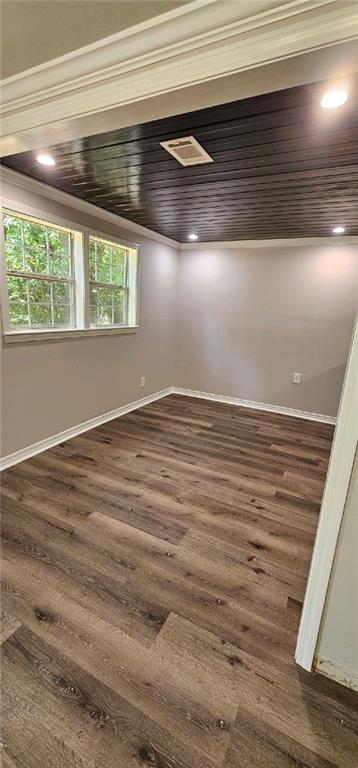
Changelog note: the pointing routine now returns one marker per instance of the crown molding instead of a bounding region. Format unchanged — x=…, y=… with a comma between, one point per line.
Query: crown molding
x=274, y=243
x=224, y=38
x=51, y=193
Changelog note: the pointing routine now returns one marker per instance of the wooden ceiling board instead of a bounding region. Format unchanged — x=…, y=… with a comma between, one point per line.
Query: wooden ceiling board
x=283, y=167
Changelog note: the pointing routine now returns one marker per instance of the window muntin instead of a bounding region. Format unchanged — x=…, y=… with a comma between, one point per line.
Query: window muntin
x=109, y=288
x=40, y=275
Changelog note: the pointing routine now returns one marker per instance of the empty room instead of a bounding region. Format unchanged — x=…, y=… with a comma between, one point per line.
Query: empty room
x=179, y=384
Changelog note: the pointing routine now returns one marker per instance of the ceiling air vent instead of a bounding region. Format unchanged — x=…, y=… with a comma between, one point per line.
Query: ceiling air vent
x=187, y=151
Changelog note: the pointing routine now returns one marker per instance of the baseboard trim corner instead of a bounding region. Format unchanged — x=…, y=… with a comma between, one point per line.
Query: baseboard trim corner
x=257, y=406
x=336, y=672
x=78, y=429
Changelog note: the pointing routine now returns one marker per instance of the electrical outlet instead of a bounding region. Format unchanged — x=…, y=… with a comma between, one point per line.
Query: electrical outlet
x=296, y=378
x=142, y=381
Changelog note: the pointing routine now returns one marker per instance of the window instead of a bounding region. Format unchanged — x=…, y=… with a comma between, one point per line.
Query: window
x=58, y=279
x=39, y=274
x=108, y=274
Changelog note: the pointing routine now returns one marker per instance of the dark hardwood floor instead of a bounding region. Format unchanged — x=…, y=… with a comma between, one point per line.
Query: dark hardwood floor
x=153, y=576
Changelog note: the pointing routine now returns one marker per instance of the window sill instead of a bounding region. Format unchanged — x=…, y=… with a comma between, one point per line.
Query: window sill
x=13, y=337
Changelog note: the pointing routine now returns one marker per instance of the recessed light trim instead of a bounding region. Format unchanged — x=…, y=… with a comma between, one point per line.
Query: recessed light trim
x=334, y=99
x=338, y=230
x=193, y=236
x=45, y=159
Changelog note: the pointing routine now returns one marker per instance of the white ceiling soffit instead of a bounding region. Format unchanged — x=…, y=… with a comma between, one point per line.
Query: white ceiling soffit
x=193, y=44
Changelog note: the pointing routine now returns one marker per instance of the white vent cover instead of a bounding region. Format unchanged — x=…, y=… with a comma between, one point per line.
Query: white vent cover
x=187, y=151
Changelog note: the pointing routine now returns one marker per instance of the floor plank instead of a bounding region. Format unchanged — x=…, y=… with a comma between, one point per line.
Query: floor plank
x=153, y=576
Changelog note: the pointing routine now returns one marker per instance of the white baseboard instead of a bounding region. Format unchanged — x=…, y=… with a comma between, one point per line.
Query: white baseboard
x=336, y=672
x=60, y=437
x=258, y=406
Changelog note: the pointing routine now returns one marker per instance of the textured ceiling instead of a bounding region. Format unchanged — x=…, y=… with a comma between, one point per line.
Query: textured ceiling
x=283, y=167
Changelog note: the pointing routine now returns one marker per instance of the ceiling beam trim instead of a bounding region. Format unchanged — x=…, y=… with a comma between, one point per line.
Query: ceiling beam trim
x=225, y=38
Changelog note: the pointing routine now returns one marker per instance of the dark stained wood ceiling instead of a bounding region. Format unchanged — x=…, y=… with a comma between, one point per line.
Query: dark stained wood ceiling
x=283, y=167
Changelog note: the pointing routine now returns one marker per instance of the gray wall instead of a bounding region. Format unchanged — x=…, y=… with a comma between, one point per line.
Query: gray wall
x=338, y=643
x=50, y=386
x=235, y=322
x=249, y=317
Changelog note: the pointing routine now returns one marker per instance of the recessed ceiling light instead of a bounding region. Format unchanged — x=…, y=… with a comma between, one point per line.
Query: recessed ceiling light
x=45, y=160
x=338, y=230
x=193, y=237
x=334, y=99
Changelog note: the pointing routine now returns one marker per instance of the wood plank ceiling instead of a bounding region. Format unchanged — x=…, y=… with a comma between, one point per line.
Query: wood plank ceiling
x=283, y=167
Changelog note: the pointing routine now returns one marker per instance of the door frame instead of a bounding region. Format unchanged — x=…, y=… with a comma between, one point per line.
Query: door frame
x=333, y=503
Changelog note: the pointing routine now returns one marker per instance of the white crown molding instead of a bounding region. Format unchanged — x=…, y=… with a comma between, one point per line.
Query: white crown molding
x=49, y=442
x=274, y=243
x=51, y=193
x=204, y=40
x=255, y=405
x=78, y=429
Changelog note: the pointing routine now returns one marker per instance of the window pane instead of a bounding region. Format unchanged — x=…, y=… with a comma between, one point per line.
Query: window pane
x=94, y=306
x=18, y=314
x=40, y=314
x=60, y=266
x=13, y=243
x=107, y=262
x=34, y=235
x=105, y=314
x=119, y=267
x=119, y=308
x=33, y=247
x=105, y=295
x=58, y=242
x=36, y=259
x=103, y=263
x=92, y=259
x=61, y=293
x=108, y=306
x=62, y=314
x=17, y=289
x=105, y=306
x=14, y=261
x=12, y=229
x=39, y=290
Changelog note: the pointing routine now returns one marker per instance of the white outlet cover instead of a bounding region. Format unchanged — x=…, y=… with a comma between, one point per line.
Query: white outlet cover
x=296, y=378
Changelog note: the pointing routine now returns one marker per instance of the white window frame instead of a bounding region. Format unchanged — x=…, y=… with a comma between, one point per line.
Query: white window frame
x=27, y=275
x=113, y=286
x=80, y=239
